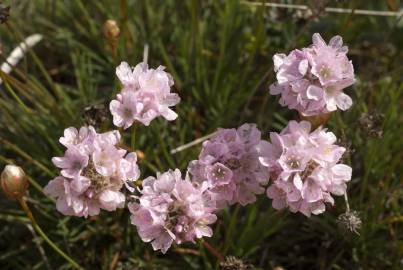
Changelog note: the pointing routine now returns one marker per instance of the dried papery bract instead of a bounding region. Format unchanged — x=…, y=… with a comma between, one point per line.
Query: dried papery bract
x=14, y=182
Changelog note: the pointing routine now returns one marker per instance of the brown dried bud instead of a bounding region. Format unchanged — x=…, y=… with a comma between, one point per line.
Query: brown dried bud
x=316, y=120
x=4, y=13
x=140, y=154
x=111, y=30
x=14, y=182
x=96, y=114
x=371, y=123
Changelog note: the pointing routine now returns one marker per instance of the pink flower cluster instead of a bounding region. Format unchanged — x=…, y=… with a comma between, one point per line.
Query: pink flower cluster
x=146, y=94
x=171, y=210
x=233, y=166
x=311, y=80
x=93, y=171
x=229, y=164
x=304, y=168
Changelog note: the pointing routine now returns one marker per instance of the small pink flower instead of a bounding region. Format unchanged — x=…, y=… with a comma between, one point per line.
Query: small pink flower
x=146, y=95
x=124, y=109
x=311, y=80
x=73, y=162
x=129, y=77
x=229, y=166
x=304, y=168
x=171, y=210
x=94, y=171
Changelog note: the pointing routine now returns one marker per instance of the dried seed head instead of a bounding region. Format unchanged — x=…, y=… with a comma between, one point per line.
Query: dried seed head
x=111, y=30
x=14, y=182
x=95, y=115
x=233, y=263
x=371, y=124
x=350, y=220
x=4, y=13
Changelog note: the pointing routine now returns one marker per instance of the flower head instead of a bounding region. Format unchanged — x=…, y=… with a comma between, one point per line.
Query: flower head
x=350, y=221
x=14, y=182
x=93, y=172
x=228, y=164
x=304, y=167
x=171, y=210
x=146, y=94
x=311, y=80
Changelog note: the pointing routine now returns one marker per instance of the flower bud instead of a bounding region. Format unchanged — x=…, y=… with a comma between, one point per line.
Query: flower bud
x=316, y=120
x=111, y=30
x=140, y=154
x=14, y=182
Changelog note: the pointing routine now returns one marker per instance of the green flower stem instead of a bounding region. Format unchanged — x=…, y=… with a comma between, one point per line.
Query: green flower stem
x=25, y=207
x=133, y=137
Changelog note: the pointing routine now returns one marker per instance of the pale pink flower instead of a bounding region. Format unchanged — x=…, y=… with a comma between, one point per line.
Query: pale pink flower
x=125, y=108
x=311, y=80
x=74, y=137
x=228, y=164
x=171, y=210
x=304, y=167
x=94, y=170
x=146, y=95
x=129, y=77
x=73, y=162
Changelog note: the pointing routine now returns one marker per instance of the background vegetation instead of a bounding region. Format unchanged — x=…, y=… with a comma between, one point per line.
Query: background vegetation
x=219, y=53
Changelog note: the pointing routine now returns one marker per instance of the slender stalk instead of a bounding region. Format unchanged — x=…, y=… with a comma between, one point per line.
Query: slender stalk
x=35, y=225
x=230, y=230
x=39, y=246
x=346, y=201
x=213, y=251
x=133, y=137
x=192, y=143
x=329, y=9
x=145, y=53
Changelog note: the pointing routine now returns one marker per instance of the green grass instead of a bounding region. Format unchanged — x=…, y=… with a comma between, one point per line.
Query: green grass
x=219, y=53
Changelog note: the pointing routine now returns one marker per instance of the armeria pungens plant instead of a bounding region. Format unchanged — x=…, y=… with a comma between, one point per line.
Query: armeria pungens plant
x=299, y=168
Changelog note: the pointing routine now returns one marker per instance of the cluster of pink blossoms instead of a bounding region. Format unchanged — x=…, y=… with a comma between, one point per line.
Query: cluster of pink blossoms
x=171, y=210
x=311, y=80
x=234, y=166
x=146, y=94
x=304, y=168
x=229, y=164
x=93, y=171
